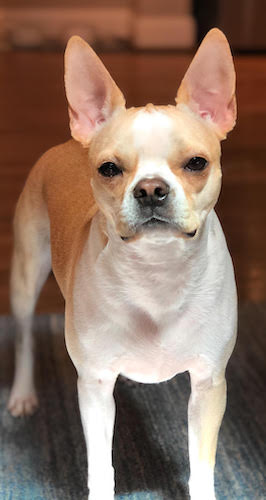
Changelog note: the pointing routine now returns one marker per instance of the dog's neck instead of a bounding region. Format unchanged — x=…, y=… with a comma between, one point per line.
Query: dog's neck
x=159, y=249
x=153, y=273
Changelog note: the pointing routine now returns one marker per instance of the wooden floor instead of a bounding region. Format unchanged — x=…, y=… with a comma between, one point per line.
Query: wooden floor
x=33, y=117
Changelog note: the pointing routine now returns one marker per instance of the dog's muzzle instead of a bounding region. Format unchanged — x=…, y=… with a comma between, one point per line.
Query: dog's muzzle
x=153, y=208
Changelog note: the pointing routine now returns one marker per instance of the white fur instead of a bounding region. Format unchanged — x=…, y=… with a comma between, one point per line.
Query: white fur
x=141, y=305
x=152, y=133
x=149, y=310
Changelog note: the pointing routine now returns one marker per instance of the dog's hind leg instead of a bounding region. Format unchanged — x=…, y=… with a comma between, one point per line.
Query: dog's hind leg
x=31, y=264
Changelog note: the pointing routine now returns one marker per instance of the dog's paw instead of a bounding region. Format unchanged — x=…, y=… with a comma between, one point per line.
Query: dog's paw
x=20, y=406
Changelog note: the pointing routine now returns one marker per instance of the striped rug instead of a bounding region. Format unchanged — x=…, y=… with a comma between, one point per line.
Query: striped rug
x=43, y=457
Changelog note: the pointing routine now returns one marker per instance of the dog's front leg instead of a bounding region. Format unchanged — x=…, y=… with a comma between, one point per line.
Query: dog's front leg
x=205, y=413
x=97, y=408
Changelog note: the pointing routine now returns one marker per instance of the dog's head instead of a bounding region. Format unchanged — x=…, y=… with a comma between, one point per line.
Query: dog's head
x=155, y=168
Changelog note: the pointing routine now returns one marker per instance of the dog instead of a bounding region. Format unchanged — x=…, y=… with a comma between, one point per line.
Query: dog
x=124, y=215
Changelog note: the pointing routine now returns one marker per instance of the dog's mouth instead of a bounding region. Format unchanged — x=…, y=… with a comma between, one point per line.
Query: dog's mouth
x=154, y=223
x=158, y=224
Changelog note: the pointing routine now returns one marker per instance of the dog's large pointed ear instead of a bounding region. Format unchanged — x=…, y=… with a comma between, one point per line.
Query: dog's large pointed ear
x=208, y=87
x=92, y=94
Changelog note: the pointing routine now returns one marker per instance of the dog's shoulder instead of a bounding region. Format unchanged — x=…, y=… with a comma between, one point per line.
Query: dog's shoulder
x=67, y=181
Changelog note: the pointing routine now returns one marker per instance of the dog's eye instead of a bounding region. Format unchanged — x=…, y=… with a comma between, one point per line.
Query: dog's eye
x=196, y=164
x=109, y=169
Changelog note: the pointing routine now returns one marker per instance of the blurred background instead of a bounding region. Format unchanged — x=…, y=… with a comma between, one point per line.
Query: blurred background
x=147, y=46
x=123, y=24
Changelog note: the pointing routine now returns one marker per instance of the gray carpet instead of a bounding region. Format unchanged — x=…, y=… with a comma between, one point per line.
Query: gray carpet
x=43, y=457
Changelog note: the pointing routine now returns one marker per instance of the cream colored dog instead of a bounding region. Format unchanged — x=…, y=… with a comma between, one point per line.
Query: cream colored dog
x=124, y=216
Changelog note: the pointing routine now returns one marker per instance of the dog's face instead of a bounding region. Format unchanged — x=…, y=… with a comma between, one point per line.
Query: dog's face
x=155, y=168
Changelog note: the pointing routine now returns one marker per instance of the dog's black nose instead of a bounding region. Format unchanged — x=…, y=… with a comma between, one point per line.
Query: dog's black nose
x=151, y=192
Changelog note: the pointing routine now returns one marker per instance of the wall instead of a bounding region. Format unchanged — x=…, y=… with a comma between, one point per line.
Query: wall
x=105, y=24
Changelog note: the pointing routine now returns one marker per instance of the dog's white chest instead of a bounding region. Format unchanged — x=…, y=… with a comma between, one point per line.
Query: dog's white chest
x=150, y=313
